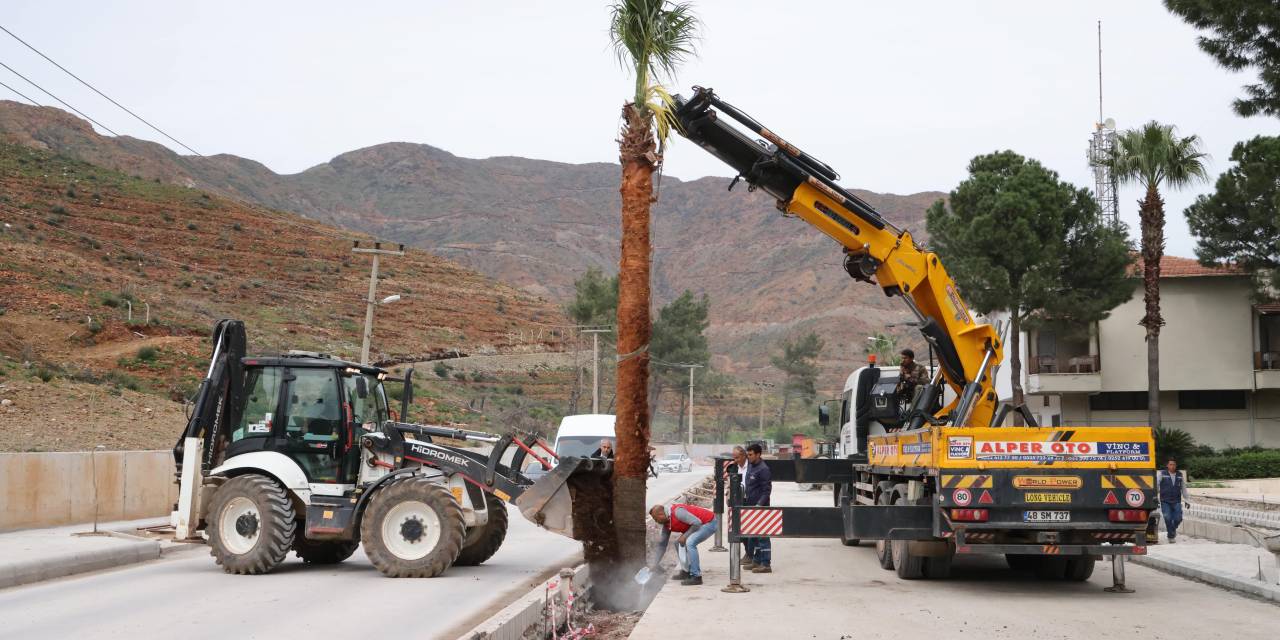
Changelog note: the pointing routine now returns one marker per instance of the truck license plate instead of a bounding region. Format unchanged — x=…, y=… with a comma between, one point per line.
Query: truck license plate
x=1046, y=516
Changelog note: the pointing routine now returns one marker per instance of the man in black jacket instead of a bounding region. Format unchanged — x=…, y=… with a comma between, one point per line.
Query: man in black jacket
x=759, y=488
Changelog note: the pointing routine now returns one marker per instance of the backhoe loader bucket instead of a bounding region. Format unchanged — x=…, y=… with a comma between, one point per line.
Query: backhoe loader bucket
x=548, y=503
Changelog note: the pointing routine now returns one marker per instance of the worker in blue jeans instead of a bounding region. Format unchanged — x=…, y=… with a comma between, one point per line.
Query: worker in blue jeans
x=1173, y=494
x=694, y=524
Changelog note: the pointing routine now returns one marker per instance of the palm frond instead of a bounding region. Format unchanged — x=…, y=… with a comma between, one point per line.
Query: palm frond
x=651, y=38
x=1154, y=155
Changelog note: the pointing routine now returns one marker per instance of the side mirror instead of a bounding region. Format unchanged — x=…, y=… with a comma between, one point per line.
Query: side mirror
x=824, y=415
x=362, y=387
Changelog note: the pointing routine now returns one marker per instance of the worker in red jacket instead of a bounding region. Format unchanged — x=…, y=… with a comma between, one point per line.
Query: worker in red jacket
x=694, y=524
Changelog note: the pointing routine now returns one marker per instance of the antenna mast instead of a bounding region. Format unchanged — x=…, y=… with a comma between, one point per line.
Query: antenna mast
x=1106, y=187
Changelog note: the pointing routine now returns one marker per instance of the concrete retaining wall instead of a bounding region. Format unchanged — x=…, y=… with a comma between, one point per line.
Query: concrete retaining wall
x=53, y=489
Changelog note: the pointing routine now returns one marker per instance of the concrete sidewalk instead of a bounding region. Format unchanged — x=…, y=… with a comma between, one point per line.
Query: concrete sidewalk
x=821, y=589
x=1230, y=566
x=34, y=555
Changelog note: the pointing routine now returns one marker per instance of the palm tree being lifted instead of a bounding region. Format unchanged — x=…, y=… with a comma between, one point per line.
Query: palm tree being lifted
x=651, y=38
x=1153, y=156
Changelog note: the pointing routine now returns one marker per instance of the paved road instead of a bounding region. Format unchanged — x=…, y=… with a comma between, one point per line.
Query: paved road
x=820, y=589
x=187, y=596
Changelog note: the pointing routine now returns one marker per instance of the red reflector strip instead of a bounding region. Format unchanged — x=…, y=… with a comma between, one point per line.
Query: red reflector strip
x=969, y=515
x=1127, y=515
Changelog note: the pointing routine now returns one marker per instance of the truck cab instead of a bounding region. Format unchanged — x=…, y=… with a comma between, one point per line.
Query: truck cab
x=870, y=404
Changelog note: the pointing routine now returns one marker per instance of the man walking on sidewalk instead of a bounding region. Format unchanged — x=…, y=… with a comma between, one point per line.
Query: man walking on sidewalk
x=758, y=483
x=1173, y=494
x=694, y=524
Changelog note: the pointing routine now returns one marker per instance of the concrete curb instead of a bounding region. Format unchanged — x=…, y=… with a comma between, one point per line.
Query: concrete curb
x=126, y=551
x=1196, y=572
x=512, y=621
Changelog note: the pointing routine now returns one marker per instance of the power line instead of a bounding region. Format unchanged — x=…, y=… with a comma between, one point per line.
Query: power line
x=46, y=91
x=95, y=90
x=21, y=94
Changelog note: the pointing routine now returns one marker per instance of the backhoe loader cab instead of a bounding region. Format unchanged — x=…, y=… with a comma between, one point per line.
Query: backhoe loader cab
x=301, y=452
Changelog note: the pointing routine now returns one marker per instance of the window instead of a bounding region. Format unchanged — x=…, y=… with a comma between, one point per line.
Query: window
x=1118, y=401
x=262, y=391
x=372, y=407
x=1216, y=399
x=844, y=407
x=314, y=414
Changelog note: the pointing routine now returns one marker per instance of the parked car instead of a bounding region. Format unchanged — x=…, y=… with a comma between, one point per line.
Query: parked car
x=675, y=463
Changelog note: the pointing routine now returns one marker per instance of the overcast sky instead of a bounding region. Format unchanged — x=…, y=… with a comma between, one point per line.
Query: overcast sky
x=897, y=96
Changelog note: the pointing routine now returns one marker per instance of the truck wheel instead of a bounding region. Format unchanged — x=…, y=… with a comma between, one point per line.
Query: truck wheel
x=251, y=524
x=412, y=529
x=483, y=541
x=884, y=551
x=324, y=551
x=938, y=567
x=1051, y=568
x=1080, y=569
x=1021, y=561
x=908, y=566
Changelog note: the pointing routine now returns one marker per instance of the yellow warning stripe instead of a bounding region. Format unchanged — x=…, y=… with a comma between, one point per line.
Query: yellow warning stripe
x=1127, y=482
x=967, y=482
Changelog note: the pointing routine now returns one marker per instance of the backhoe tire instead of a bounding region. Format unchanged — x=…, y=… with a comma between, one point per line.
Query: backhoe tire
x=907, y=565
x=838, y=491
x=483, y=541
x=251, y=524
x=884, y=548
x=413, y=528
x=324, y=551
x=1080, y=569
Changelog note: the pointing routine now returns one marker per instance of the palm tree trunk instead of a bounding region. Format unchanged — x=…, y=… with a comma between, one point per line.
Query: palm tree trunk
x=637, y=148
x=1015, y=363
x=1152, y=216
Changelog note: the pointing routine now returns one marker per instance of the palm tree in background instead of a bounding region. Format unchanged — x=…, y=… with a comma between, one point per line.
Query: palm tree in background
x=1155, y=156
x=651, y=38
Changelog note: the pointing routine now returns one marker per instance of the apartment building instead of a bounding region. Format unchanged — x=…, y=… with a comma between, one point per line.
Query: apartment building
x=1219, y=362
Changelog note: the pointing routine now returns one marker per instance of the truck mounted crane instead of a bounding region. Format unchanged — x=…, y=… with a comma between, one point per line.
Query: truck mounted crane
x=950, y=479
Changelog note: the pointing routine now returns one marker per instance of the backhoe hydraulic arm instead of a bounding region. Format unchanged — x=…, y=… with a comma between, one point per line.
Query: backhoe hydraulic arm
x=875, y=250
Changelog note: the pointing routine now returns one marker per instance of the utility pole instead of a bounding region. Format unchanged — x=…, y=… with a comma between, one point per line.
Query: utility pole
x=691, y=367
x=762, y=386
x=595, y=366
x=376, y=251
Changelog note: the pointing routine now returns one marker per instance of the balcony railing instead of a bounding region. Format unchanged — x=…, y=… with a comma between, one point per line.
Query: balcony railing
x=1065, y=364
x=1263, y=360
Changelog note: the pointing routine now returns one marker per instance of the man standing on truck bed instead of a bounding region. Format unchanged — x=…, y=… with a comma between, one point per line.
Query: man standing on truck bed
x=758, y=483
x=694, y=524
x=1173, y=493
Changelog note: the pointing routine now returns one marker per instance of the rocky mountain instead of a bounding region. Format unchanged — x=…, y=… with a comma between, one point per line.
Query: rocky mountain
x=537, y=225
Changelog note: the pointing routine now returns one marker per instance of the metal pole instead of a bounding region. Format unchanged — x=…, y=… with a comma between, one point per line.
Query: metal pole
x=735, y=543
x=717, y=503
x=595, y=373
x=368, y=312
x=691, y=368
x=1117, y=576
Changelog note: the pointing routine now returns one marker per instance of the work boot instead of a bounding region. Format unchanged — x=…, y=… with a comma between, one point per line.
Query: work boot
x=1173, y=540
x=680, y=575
x=692, y=581
x=746, y=561
x=762, y=569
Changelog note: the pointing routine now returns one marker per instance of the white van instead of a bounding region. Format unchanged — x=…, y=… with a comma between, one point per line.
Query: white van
x=580, y=435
